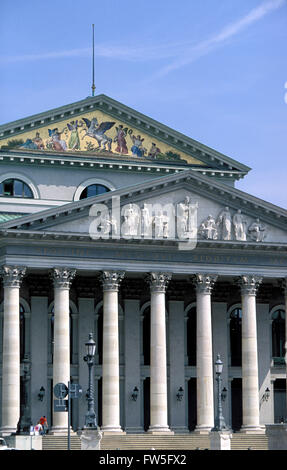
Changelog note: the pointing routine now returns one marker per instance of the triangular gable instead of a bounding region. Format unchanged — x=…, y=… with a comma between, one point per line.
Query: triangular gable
x=212, y=199
x=100, y=124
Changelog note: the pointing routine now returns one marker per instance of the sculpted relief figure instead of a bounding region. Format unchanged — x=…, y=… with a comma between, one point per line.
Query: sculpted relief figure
x=161, y=226
x=239, y=223
x=146, y=221
x=257, y=231
x=224, y=220
x=208, y=229
x=186, y=218
x=131, y=220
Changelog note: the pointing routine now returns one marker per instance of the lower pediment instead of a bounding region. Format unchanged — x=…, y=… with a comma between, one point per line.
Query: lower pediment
x=182, y=207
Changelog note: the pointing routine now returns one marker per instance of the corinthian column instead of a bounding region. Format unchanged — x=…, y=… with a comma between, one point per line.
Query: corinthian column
x=111, y=374
x=158, y=373
x=62, y=279
x=204, y=362
x=12, y=277
x=250, y=386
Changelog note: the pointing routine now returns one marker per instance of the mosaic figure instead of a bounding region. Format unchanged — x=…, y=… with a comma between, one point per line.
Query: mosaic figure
x=97, y=131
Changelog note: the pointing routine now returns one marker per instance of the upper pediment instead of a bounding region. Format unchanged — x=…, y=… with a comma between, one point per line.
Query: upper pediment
x=100, y=125
x=220, y=213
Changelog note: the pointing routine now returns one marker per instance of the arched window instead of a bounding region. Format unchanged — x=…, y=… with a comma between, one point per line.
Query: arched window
x=93, y=190
x=235, y=336
x=15, y=188
x=278, y=335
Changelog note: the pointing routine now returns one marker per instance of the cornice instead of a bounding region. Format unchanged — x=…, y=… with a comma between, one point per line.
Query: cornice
x=84, y=240
x=109, y=162
x=126, y=114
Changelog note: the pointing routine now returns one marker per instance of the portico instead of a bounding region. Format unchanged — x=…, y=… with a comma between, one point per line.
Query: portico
x=161, y=257
x=161, y=288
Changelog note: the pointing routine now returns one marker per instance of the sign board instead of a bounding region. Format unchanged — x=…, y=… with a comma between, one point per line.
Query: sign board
x=60, y=405
x=75, y=390
x=60, y=390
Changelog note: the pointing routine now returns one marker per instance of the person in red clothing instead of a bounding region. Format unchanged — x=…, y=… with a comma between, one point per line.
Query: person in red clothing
x=43, y=421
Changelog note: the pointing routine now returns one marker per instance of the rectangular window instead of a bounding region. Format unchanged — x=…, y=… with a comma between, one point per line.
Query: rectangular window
x=18, y=188
x=8, y=188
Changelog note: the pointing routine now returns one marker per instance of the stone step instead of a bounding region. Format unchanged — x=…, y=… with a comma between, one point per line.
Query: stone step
x=243, y=442
x=137, y=442
x=51, y=442
x=147, y=442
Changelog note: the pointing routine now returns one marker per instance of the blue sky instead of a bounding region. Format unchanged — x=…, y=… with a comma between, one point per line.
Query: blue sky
x=215, y=70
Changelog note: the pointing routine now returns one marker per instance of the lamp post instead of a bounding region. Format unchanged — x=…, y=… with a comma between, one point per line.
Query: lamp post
x=219, y=424
x=90, y=418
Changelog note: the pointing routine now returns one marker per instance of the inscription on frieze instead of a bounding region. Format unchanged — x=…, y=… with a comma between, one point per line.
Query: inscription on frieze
x=148, y=254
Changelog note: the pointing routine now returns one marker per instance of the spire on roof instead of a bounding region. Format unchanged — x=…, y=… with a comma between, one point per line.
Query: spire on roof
x=93, y=65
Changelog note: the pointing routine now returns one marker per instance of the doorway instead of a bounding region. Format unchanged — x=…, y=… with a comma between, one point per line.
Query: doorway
x=280, y=414
x=236, y=404
x=192, y=404
x=146, y=402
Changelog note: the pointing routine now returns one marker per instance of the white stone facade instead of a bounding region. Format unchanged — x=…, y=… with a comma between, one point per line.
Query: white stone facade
x=160, y=313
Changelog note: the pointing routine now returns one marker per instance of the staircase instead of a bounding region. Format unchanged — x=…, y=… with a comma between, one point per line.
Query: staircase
x=148, y=441
x=50, y=442
x=190, y=441
x=241, y=441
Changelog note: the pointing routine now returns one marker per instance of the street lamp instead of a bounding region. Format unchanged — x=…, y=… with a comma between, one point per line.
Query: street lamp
x=90, y=418
x=219, y=424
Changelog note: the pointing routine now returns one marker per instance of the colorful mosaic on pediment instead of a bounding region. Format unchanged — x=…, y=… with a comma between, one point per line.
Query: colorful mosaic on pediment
x=97, y=132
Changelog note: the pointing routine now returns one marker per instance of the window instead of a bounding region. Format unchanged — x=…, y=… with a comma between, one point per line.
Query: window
x=278, y=336
x=15, y=188
x=93, y=190
x=235, y=336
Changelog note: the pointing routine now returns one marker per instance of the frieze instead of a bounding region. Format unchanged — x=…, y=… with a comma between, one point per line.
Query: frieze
x=97, y=133
x=197, y=256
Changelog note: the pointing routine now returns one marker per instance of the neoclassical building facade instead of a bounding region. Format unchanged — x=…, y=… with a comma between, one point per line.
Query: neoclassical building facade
x=116, y=225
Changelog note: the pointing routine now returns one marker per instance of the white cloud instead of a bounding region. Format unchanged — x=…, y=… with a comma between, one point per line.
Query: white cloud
x=206, y=46
x=183, y=53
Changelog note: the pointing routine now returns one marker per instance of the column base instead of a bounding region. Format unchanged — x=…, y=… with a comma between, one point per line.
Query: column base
x=203, y=429
x=60, y=431
x=112, y=430
x=7, y=431
x=252, y=429
x=160, y=430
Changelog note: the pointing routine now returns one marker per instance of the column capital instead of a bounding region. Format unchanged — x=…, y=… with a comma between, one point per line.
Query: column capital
x=111, y=280
x=204, y=282
x=12, y=275
x=249, y=284
x=62, y=277
x=158, y=281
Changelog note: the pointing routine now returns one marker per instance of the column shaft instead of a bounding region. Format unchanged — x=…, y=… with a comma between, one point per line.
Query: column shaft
x=250, y=383
x=204, y=361
x=111, y=378
x=158, y=371
x=11, y=349
x=61, y=358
